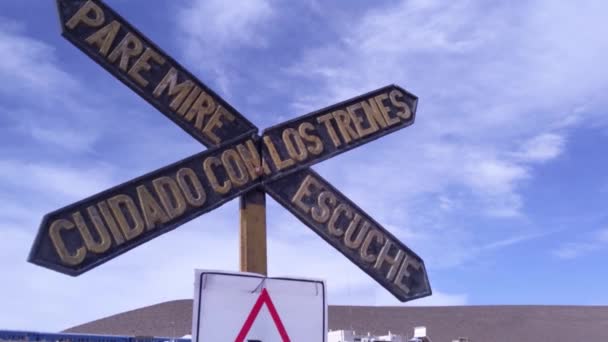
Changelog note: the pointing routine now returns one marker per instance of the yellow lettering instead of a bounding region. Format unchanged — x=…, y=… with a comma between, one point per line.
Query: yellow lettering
x=238, y=175
x=393, y=261
x=335, y=216
x=207, y=166
x=129, y=46
x=384, y=109
x=216, y=122
x=289, y=136
x=170, y=80
x=104, y=237
x=321, y=211
x=364, y=252
x=117, y=203
x=191, y=187
x=406, y=113
x=203, y=106
x=142, y=64
x=374, y=117
x=107, y=216
x=153, y=213
x=404, y=273
x=55, y=233
x=84, y=15
x=358, y=120
x=104, y=37
x=175, y=204
x=317, y=146
x=343, y=120
x=350, y=232
x=303, y=191
x=326, y=120
x=193, y=95
x=252, y=159
x=274, y=155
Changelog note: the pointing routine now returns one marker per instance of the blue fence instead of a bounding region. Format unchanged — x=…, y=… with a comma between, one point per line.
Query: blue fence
x=26, y=336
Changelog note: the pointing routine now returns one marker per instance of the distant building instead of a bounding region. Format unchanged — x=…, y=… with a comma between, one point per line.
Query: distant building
x=351, y=336
x=420, y=335
x=341, y=336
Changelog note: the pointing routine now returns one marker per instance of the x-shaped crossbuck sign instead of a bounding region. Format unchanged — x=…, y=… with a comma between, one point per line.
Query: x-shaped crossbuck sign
x=92, y=231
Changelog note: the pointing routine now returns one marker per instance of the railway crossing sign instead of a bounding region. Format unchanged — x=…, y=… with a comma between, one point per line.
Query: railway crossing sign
x=239, y=162
x=246, y=307
x=263, y=299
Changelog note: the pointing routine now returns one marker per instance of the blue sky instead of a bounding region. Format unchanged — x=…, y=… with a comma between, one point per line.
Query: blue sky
x=500, y=185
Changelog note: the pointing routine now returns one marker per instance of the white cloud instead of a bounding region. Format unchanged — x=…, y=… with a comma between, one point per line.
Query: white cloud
x=30, y=65
x=595, y=241
x=209, y=30
x=445, y=203
x=573, y=250
x=542, y=147
x=494, y=176
x=68, y=139
x=45, y=102
x=498, y=90
x=511, y=241
x=218, y=24
x=602, y=235
x=56, y=180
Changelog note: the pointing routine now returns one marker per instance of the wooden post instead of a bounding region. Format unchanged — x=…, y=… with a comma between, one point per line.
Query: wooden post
x=253, y=232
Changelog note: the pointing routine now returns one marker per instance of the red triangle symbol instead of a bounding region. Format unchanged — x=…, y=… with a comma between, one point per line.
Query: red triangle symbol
x=264, y=298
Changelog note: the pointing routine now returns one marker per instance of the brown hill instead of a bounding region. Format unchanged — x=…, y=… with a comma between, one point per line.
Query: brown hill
x=479, y=323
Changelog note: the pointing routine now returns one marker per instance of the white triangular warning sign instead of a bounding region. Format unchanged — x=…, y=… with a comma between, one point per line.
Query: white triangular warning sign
x=264, y=298
x=247, y=307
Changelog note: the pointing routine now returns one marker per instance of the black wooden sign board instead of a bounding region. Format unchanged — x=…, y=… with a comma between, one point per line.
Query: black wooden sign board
x=81, y=236
x=131, y=57
x=320, y=135
x=351, y=231
x=85, y=234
